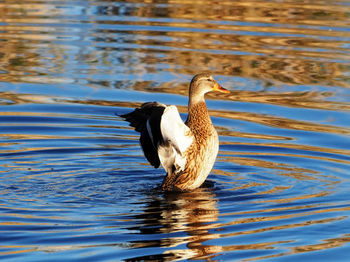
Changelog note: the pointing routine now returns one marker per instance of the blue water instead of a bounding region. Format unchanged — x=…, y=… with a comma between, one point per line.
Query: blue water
x=74, y=184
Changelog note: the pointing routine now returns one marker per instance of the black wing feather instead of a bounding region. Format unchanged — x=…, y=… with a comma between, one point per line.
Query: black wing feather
x=149, y=150
x=152, y=112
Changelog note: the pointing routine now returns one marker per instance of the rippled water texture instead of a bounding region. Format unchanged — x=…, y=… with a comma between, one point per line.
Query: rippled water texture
x=74, y=184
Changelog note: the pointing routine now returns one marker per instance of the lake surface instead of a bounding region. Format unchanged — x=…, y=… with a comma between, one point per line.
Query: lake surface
x=74, y=184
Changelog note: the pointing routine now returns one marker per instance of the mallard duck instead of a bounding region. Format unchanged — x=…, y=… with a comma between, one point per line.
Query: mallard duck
x=187, y=151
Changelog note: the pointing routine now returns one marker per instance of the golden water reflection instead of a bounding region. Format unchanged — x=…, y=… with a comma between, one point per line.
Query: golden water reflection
x=300, y=50
x=192, y=212
x=196, y=214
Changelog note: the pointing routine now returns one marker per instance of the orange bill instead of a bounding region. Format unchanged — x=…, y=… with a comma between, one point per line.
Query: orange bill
x=219, y=88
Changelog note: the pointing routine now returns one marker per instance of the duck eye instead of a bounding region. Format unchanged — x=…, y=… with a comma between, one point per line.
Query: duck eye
x=210, y=80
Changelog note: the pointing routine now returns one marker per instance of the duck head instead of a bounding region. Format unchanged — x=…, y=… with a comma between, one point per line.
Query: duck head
x=201, y=84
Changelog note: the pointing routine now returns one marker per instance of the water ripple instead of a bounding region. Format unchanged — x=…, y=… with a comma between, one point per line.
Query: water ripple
x=73, y=180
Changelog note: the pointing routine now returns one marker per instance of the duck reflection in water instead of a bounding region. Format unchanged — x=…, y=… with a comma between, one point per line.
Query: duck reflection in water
x=185, y=217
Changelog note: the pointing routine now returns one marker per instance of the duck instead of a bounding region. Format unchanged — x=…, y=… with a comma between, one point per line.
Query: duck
x=186, y=150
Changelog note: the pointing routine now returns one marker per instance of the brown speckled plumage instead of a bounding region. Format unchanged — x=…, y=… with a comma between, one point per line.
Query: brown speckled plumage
x=206, y=142
x=200, y=155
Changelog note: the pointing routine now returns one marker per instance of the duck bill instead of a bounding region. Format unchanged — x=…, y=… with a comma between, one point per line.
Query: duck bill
x=219, y=88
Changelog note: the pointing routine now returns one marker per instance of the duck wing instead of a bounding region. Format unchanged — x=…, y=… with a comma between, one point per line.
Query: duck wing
x=149, y=112
x=164, y=136
x=177, y=137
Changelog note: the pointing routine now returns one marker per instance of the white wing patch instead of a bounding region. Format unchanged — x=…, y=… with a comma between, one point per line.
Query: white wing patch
x=174, y=129
x=177, y=136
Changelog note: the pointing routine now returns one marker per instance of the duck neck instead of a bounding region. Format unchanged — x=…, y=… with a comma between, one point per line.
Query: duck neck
x=198, y=118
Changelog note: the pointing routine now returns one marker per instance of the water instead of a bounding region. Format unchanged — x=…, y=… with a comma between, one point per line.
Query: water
x=74, y=184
